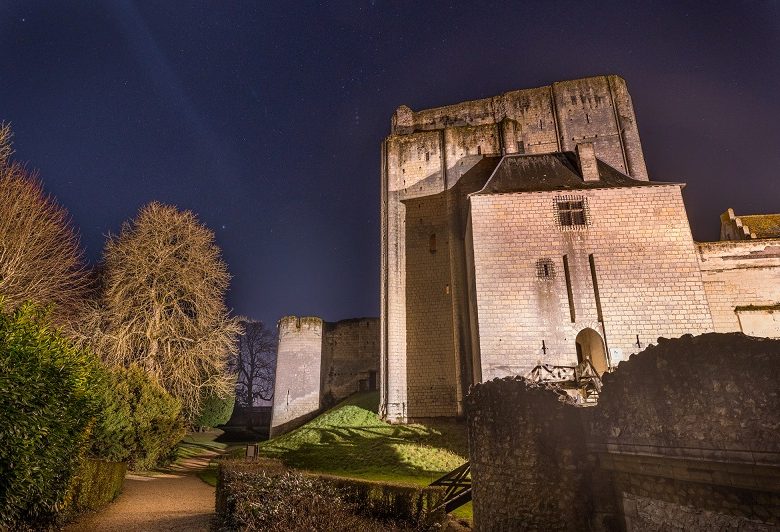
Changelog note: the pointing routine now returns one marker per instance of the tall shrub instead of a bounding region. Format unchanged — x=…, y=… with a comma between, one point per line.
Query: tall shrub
x=215, y=410
x=48, y=401
x=140, y=422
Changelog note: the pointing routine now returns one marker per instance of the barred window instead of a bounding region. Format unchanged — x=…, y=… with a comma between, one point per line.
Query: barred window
x=545, y=270
x=572, y=211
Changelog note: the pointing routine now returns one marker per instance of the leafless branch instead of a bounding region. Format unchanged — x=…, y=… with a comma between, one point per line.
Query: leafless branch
x=40, y=255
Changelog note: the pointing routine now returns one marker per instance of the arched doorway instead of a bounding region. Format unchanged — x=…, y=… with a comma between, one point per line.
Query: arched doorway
x=590, y=346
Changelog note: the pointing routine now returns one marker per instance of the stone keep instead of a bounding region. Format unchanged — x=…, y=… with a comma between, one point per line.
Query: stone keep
x=522, y=229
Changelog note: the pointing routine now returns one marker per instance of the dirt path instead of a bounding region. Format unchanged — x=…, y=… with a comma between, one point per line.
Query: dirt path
x=175, y=499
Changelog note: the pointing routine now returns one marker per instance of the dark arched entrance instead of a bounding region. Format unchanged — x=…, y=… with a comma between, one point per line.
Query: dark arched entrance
x=591, y=346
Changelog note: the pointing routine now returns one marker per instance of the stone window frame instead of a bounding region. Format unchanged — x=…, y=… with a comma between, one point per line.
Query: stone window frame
x=572, y=218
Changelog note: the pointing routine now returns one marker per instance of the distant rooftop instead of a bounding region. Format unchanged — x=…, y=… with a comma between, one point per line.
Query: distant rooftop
x=749, y=226
x=763, y=225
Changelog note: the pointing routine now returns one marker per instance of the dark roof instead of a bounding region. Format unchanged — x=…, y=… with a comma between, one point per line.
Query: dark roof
x=553, y=171
x=762, y=225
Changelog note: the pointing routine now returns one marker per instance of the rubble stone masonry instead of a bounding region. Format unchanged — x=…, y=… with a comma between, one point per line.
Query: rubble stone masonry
x=684, y=437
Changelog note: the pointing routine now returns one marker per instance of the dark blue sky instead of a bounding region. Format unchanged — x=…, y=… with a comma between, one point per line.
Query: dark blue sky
x=266, y=119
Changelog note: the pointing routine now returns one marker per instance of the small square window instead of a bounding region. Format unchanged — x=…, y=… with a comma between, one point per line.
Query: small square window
x=545, y=270
x=572, y=211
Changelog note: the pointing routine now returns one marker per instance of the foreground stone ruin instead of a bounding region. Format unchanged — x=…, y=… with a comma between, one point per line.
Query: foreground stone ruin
x=685, y=436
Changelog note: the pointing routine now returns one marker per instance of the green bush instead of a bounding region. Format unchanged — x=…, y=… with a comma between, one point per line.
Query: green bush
x=265, y=495
x=48, y=401
x=140, y=422
x=215, y=410
x=95, y=484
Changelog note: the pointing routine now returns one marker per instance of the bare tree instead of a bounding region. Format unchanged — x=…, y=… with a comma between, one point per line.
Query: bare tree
x=6, y=143
x=40, y=256
x=162, y=305
x=255, y=363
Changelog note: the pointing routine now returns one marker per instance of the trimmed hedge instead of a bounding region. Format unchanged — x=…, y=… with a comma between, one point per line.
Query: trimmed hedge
x=265, y=495
x=48, y=400
x=95, y=484
x=139, y=423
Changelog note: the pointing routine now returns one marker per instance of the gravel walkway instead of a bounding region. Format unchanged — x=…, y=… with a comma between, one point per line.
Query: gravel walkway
x=175, y=499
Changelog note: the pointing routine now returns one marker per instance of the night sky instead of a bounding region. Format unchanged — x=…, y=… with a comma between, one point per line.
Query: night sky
x=266, y=119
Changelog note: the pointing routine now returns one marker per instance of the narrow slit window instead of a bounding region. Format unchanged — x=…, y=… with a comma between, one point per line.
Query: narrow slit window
x=569, y=291
x=599, y=313
x=479, y=150
x=432, y=243
x=520, y=146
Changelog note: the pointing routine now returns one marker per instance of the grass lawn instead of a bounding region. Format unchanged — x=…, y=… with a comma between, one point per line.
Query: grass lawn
x=351, y=440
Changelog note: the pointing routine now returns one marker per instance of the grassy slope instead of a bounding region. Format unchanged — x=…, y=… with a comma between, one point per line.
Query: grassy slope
x=351, y=440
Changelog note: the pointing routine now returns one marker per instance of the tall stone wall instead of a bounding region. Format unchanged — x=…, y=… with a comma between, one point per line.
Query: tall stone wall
x=643, y=260
x=742, y=281
x=319, y=364
x=350, y=358
x=684, y=437
x=425, y=332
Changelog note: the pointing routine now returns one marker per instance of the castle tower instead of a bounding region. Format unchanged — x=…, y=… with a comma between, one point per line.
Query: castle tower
x=298, y=365
x=431, y=161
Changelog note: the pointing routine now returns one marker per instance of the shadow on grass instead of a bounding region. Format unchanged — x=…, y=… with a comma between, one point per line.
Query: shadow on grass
x=379, y=451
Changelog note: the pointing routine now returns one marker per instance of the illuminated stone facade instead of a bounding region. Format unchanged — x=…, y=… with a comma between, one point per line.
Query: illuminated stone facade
x=522, y=229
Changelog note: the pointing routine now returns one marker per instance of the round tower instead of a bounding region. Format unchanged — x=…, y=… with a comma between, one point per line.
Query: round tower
x=298, y=366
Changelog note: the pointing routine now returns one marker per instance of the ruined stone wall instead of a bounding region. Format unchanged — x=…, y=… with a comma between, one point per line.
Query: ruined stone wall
x=427, y=155
x=645, y=263
x=525, y=450
x=350, y=358
x=320, y=363
x=548, y=119
x=684, y=437
x=298, y=367
x=742, y=281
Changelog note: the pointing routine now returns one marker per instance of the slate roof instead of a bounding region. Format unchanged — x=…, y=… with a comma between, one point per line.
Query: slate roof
x=553, y=171
x=762, y=225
